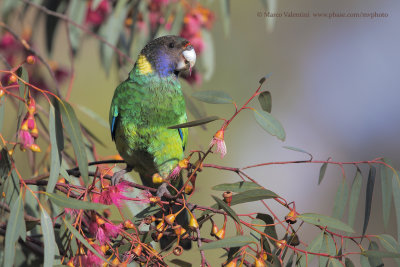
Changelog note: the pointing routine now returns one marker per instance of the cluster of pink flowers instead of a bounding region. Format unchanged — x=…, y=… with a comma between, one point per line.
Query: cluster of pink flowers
x=14, y=53
x=28, y=131
x=195, y=20
x=103, y=231
x=112, y=195
x=97, y=16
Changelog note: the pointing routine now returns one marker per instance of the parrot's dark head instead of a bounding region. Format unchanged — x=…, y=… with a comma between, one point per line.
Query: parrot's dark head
x=165, y=56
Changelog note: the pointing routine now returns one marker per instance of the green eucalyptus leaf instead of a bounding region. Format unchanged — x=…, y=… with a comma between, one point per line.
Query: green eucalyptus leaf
x=354, y=197
x=368, y=201
x=396, y=200
x=386, y=175
x=66, y=202
x=322, y=172
x=213, y=97
x=50, y=245
x=227, y=209
x=15, y=229
x=73, y=129
x=265, y=100
x=235, y=241
x=195, y=122
x=315, y=247
x=325, y=221
x=270, y=124
x=340, y=200
x=55, y=153
x=77, y=13
x=237, y=187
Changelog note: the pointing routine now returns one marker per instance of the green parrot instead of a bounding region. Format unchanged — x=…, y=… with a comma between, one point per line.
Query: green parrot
x=146, y=104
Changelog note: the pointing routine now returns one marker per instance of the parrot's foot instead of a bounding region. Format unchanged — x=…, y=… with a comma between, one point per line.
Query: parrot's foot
x=118, y=175
x=161, y=190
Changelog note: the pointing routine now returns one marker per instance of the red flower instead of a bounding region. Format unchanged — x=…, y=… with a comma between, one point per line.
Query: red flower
x=113, y=195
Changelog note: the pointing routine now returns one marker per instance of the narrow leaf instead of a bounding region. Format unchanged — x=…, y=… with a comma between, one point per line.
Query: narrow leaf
x=265, y=101
x=325, y=221
x=333, y=262
x=66, y=202
x=328, y=247
x=74, y=131
x=195, y=122
x=354, y=197
x=373, y=258
x=340, y=200
x=386, y=175
x=237, y=187
x=55, y=153
x=93, y=115
x=15, y=229
x=348, y=263
x=270, y=230
x=368, y=201
x=207, y=56
x=270, y=124
x=48, y=239
x=314, y=246
x=322, y=172
x=252, y=195
x=2, y=107
x=213, y=97
x=374, y=254
x=396, y=200
x=111, y=30
x=77, y=12
x=227, y=209
x=83, y=240
x=236, y=241
x=225, y=15
x=298, y=150
x=390, y=244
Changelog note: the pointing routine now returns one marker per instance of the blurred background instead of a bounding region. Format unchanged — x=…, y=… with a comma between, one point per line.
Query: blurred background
x=334, y=85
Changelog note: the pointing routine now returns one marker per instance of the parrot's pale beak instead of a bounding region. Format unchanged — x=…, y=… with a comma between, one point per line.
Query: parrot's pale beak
x=188, y=59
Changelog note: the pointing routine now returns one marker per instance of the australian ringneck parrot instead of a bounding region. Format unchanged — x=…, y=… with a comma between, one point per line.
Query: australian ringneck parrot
x=146, y=104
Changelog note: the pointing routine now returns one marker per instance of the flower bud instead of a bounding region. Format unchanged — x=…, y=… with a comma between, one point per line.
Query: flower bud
x=100, y=221
x=280, y=244
x=30, y=59
x=179, y=230
x=294, y=240
x=200, y=164
x=35, y=132
x=291, y=217
x=157, y=179
x=128, y=224
x=12, y=79
x=214, y=228
x=170, y=219
x=259, y=262
x=227, y=197
x=2, y=92
x=35, y=148
x=188, y=189
x=138, y=250
x=161, y=226
x=232, y=263
x=220, y=234
x=183, y=164
x=193, y=224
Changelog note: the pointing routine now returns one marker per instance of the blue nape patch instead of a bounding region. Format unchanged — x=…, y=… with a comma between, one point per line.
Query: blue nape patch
x=164, y=66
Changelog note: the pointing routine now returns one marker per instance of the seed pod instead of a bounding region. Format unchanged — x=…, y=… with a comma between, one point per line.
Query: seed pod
x=157, y=179
x=178, y=250
x=170, y=219
x=227, y=197
x=128, y=224
x=291, y=217
x=138, y=250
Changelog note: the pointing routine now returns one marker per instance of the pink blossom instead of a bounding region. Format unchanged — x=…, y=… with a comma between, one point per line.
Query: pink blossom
x=7, y=41
x=113, y=195
x=112, y=230
x=90, y=259
x=97, y=16
x=26, y=138
x=218, y=140
x=175, y=172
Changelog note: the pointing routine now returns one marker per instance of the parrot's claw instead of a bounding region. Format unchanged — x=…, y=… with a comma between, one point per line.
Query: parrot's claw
x=162, y=189
x=119, y=174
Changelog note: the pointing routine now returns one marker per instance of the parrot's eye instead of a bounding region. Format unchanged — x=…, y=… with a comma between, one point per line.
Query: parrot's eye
x=171, y=45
